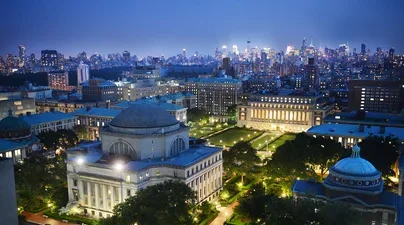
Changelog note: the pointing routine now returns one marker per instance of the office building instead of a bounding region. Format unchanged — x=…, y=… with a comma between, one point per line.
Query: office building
x=311, y=74
x=126, y=56
x=363, y=49
x=139, y=149
x=99, y=90
x=8, y=203
x=376, y=96
x=287, y=112
x=49, y=60
x=83, y=73
x=18, y=106
x=22, y=55
x=59, y=81
x=215, y=95
x=46, y=121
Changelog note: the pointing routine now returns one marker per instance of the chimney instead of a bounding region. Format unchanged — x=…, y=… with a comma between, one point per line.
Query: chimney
x=382, y=129
x=361, y=127
x=88, y=108
x=108, y=104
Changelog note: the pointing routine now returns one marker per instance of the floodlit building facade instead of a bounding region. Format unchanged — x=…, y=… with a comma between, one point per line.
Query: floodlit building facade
x=139, y=149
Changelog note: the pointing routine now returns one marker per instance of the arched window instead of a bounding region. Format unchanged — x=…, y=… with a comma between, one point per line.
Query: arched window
x=177, y=146
x=122, y=148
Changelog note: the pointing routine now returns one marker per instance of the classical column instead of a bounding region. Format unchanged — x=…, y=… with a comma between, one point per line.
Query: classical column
x=81, y=193
x=97, y=196
x=104, y=197
x=112, y=196
x=90, y=202
x=270, y=114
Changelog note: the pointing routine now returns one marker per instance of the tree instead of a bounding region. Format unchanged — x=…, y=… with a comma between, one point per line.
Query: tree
x=170, y=202
x=81, y=131
x=54, y=140
x=232, y=113
x=381, y=152
x=41, y=181
x=197, y=115
x=304, y=157
x=241, y=158
x=270, y=209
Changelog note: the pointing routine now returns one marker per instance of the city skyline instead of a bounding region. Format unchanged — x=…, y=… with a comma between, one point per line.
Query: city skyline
x=165, y=28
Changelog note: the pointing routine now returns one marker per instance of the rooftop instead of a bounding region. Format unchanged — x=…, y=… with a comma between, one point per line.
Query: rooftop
x=214, y=80
x=186, y=158
x=352, y=130
x=370, y=118
x=99, y=112
x=46, y=117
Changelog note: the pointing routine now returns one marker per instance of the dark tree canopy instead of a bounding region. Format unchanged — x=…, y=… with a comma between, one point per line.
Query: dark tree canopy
x=240, y=159
x=197, y=115
x=63, y=139
x=40, y=181
x=232, y=113
x=381, y=152
x=81, y=131
x=270, y=209
x=170, y=202
x=300, y=157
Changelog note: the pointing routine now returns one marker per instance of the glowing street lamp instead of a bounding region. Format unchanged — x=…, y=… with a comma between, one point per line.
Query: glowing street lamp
x=80, y=161
x=119, y=167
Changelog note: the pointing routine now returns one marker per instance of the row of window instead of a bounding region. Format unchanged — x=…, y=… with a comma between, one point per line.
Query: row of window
x=201, y=166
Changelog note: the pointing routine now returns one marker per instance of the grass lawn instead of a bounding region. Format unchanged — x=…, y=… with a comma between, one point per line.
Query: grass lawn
x=233, y=135
x=260, y=143
x=235, y=220
x=280, y=141
x=197, y=131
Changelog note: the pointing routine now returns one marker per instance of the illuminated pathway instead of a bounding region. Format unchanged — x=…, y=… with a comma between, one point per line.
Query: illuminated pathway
x=225, y=213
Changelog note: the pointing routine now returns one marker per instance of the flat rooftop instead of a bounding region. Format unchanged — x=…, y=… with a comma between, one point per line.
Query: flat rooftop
x=92, y=153
x=352, y=130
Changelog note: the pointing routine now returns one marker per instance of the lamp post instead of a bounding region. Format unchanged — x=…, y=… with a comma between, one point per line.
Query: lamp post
x=119, y=167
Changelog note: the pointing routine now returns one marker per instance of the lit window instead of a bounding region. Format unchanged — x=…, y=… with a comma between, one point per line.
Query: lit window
x=128, y=178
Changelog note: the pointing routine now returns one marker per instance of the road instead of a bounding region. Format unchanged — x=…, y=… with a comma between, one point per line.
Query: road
x=225, y=213
x=37, y=218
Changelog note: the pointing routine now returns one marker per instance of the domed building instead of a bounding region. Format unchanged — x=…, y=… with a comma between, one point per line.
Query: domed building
x=355, y=181
x=16, y=141
x=142, y=146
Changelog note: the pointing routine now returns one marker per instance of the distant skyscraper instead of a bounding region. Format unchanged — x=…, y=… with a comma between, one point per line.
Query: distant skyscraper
x=304, y=45
x=126, y=56
x=226, y=63
x=49, y=59
x=391, y=53
x=83, y=73
x=363, y=49
x=22, y=55
x=311, y=74
x=235, y=49
x=290, y=49
x=184, y=52
x=224, y=51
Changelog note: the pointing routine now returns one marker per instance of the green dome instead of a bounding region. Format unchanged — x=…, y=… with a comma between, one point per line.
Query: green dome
x=11, y=123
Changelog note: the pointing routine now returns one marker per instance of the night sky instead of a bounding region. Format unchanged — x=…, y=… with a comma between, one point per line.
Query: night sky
x=156, y=27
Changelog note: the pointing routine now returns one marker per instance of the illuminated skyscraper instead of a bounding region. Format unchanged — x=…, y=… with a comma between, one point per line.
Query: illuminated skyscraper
x=310, y=71
x=83, y=73
x=184, y=52
x=22, y=56
x=224, y=50
x=391, y=53
x=49, y=59
x=235, y=49
x=290, y=49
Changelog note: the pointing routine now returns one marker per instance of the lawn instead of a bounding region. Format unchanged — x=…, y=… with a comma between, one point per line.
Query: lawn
x=235, y=220
x=197, y=131
x=233, y=135
x=281, y=140
x=261, y=142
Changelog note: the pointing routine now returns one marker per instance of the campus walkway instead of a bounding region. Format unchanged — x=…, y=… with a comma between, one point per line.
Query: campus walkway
x=225, y=212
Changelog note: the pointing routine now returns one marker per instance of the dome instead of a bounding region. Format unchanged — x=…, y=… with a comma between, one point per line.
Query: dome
x=355, y=172
x=13, y=127
x=143, y=116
